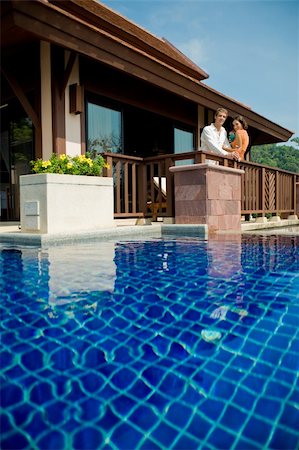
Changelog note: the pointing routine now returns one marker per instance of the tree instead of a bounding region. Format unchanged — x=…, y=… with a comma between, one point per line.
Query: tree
x=284, y=157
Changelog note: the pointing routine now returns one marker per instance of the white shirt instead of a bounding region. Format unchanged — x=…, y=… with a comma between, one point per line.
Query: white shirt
x=212, y=140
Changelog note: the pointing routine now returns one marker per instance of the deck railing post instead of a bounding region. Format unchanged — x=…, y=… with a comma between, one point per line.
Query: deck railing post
x=277, y=192
x=142, y=188
x=169, y=187
x=263, y=191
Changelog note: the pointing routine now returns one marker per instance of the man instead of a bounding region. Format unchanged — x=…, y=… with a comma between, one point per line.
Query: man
x=214, y=136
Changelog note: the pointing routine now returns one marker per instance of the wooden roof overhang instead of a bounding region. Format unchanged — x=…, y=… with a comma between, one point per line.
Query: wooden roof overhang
x=89, y=28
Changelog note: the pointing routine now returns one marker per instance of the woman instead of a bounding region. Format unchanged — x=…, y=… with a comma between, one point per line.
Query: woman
x=241, y=138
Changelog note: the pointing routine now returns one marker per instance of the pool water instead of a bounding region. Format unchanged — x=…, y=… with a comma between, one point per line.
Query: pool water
x=160, y=344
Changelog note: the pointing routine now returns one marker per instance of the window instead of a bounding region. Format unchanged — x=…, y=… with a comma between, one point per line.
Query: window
x=183, y=142
x=104, y=130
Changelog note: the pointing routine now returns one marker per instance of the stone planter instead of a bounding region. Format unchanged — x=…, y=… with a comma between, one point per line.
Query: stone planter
x=54, y=203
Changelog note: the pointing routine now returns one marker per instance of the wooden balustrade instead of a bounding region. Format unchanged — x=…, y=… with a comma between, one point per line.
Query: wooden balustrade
x=143, y=187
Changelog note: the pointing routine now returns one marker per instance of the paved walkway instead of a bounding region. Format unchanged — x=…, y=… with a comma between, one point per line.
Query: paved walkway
x=10, y=232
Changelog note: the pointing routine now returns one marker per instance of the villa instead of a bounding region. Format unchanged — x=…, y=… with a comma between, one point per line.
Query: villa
x=78, y=76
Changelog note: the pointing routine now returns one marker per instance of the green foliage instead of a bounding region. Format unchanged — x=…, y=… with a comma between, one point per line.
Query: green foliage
x=21, y=131
x=76, y=165
x=284, y=157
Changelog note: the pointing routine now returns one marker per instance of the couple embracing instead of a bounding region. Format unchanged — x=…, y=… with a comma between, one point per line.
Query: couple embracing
x=214, y=136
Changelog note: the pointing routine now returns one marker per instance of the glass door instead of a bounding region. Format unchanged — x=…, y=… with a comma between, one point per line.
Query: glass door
x=16, y=153
x=104, y=129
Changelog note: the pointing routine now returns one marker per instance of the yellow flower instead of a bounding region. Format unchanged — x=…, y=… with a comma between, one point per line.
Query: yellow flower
x=69, y=165
x=107, y=166
x=62, y=157
x=46, y=164
x=89, y=162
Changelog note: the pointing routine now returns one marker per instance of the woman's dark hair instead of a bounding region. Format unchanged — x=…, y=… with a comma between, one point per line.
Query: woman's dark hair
x=242, y=121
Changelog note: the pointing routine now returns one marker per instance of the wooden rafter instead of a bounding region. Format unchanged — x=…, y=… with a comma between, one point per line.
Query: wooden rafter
x=22, y=98
x=67, y=72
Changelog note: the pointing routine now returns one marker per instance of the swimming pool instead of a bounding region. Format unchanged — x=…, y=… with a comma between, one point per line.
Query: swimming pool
x=159, y=344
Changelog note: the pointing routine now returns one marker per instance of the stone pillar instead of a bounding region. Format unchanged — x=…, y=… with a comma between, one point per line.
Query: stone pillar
x=208, y=194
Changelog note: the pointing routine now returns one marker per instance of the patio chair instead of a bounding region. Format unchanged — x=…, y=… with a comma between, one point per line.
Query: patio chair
x=159, y=204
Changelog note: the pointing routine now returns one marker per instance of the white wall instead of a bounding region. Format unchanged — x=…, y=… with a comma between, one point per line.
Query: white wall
x=72, y=121
x=46, y=100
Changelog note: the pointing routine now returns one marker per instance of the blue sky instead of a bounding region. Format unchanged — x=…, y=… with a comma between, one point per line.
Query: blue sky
x=249, y=48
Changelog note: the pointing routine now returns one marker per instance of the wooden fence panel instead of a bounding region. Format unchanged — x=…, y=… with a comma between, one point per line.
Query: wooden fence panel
x=144, y=185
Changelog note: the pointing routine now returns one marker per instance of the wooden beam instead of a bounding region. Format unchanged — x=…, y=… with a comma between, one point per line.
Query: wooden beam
x=67, y=72
x=22, y=98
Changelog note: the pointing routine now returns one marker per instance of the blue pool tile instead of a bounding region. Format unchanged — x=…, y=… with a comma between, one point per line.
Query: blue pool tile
x=291, y=361
x=6, y=359
x=123, y=404
x=125, y=434
x=86, y=439
x=284, y=440
x=277, y=390
x=286, y=376
x=290, y=417
x=8, y=338
x=139, y=389
x=221, y=439
x=258, y=335
x=279, y=341
x=269, y=355
x=269, y=408
x=148, y=444
x=92, y=382
x=5, y=424
x=251, y=348
x=269, y=325
x=177, y=352
x=295, y=396
x=233, y=418
x=257, y=430
x=199, y=427
x=243, y=444
x=224, y=356
x=33, y=360
x=144, y=417
x=184, y=369
x=15, y=441
x=10, y=395
x=165, y=434
x=178, y=414
x=36, y=425
x=52, y=441
x=42, y=393
x=254, y=383
x=153, y=375
x=108, y=420
x=158, y=401
x=55, y=412
x=186, y=443
x=91, y=409
x=172, y=385
x=244, y=398
x=149, y=353
x=263, y=369
x=135, y=368
x=224, y=389
x=193, y=395
x=242, y=362
x=212, y=408
x=233, y=374
x=124, y=378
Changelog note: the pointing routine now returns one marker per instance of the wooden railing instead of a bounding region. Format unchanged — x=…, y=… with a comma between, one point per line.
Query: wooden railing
x=139, y=182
